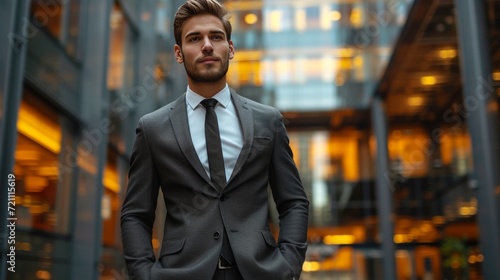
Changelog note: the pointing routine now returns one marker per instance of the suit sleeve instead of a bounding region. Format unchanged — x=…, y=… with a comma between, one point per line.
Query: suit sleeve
x=291, y=201
x=138, y=210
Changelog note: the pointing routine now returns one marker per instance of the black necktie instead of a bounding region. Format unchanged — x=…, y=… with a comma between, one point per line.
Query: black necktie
x=214, y=147
x=216, y=162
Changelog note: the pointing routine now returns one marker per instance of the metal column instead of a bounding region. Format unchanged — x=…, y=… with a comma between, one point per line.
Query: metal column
x=482, y=109
x=13, y=40
x=384, y=190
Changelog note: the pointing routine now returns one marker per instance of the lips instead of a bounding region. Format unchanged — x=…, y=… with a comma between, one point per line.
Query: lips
x=208, y=59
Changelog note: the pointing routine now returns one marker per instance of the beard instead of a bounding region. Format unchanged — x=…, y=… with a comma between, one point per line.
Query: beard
x=211, y=73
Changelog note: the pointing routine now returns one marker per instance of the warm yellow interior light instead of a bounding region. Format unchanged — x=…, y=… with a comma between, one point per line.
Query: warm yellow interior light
x=472, y=259
x=22, y=155
x=339, y=239
x=401, y=238
x=447, y=53
x=35, y=183
x=39, y=128
x=43, y=274
x=415, y=101
x=325, y=21
x=467, y=211
x=249, y=55
x=350, y=164
x=156, y=243
x=345, y=52
x=335, y=15
x=300, y=19
x=428, y=80
x=355, y=18
x=311, y=266
x=251, y=18
x=48, y=171
x=358, y=61
x=110, y=179
x=275, y=23
x=496, y=76
x=438, y=220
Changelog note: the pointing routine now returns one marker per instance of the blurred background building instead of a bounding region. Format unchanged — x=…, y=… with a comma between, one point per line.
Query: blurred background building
x=391, y=106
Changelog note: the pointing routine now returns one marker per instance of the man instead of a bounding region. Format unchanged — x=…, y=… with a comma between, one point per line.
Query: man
x=216, y=225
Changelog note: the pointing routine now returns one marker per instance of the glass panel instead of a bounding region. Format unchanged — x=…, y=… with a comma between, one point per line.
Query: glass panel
x=61, y=19
x=110, y=201
x=52, y=70
x=48, y=15
x=114, y=182
x=40, y=256
x=312, y=56
x=73, y=30
x=43, y=194
x=121, y=52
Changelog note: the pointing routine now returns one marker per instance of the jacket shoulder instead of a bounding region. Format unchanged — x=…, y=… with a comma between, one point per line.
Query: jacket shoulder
x=161, y=113
x=255, y=106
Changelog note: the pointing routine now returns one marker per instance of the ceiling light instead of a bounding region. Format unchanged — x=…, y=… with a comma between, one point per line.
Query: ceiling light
x=428, y=80
x=339, y=239
x=251, y=19
x=335, y=15
x=447, y=53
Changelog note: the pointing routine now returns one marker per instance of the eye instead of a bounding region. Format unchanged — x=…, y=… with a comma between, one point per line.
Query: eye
x=194, y=39
x=217, y=37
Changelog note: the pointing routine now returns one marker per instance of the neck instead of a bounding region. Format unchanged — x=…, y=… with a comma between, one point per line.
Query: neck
x=208, y=89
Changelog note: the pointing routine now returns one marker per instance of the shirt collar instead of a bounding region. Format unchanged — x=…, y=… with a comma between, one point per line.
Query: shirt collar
x=193, y=99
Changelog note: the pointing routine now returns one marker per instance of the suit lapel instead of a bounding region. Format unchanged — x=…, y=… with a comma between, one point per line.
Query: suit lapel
x=180, y=126
x=246, y=120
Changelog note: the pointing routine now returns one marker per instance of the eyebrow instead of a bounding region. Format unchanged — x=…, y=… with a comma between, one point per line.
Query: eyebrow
x=196, y=33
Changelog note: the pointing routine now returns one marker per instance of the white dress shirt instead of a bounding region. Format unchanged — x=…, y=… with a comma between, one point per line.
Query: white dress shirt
x=229, y=128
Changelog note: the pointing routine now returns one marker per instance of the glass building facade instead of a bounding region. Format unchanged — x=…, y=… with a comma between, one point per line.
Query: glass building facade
x=391, y=107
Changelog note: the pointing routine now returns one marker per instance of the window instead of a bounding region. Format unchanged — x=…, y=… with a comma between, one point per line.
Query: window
x=61, y=19
x=121, y=52
x=47, y=15
x=43, y=195
x=110, y=199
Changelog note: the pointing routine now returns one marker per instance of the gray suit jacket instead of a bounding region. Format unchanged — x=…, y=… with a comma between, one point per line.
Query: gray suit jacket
x=197, y=211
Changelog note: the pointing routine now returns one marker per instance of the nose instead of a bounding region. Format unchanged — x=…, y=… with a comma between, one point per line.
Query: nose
x=207, y=46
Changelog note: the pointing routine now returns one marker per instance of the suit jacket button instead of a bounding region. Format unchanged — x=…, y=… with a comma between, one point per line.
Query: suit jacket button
x=216, y=235
x=223, y=197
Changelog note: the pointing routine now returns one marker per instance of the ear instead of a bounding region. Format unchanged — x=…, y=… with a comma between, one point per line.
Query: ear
x=178, y=54
x=231, y=50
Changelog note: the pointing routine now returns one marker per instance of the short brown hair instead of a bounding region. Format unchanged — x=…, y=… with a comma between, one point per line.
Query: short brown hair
x=200, y=7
